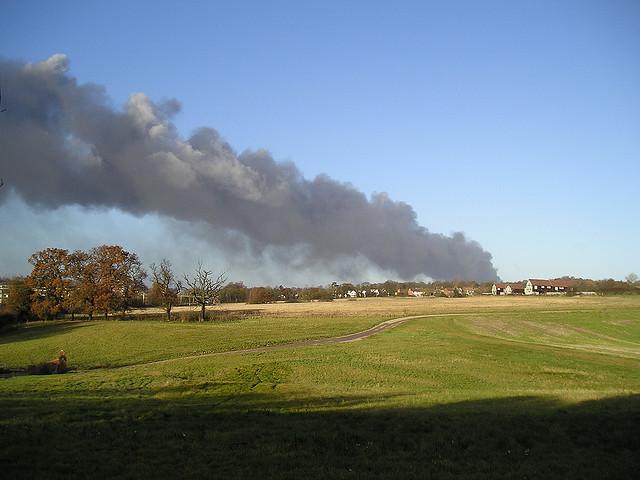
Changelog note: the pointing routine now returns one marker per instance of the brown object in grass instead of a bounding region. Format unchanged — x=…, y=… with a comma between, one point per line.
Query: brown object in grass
x=58, y=365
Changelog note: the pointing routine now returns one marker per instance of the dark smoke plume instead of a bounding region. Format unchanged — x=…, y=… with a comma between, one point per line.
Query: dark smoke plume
x=64, y=144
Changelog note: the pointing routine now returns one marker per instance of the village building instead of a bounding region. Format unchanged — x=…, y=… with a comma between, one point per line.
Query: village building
x=536, y=286
x=443, y=292
x=498, y=288
x=532, y=286
x=507, y=289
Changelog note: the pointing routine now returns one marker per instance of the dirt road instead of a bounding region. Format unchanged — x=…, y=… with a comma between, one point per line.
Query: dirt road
x=352, y=337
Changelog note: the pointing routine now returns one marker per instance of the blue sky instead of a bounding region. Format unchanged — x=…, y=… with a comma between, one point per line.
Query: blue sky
x=515, y=122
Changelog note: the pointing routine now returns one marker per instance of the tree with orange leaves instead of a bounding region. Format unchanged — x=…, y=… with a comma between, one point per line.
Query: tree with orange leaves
x=83, y=283
x=49, y=282
x=120, y=278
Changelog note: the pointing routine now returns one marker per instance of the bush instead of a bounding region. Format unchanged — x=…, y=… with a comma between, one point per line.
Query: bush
x=192, y=316
x=7, y=318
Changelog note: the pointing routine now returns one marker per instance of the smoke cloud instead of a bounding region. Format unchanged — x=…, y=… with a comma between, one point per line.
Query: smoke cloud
x=62, y=143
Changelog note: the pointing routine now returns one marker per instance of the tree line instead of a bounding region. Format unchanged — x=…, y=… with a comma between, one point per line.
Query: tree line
x=237, y=292
x=108, y=279
x=607, y=286
x=104, y=280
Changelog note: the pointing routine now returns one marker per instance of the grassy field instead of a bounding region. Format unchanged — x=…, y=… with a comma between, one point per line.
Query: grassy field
x=505, y=388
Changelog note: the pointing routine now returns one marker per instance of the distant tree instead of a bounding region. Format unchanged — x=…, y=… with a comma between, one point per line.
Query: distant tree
x=631, y=279
x=154, y=297
x=343, y=289
x=19, y=301
x=609, y=286
x=390, y=287
x=165, y=287
x=317, y=293
x=234, y=293
x=287, y=294
x=120, y=278
x=262, y=295
x=205, y=288
x=49, y=282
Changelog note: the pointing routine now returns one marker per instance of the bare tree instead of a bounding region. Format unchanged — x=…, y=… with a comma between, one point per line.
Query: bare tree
x=165, y=287
x=205, y=288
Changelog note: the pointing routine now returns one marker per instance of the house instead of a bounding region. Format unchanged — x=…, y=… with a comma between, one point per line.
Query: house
x=501, y=289
x=415, y=293
x=514, y=288
x=533, y=286
x=536, y=286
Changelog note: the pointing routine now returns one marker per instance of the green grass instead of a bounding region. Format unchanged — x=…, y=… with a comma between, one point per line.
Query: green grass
x=497, y=395
x=116, y=343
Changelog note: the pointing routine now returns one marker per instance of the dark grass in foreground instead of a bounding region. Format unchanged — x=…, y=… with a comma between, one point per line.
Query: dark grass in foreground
x=530, y=437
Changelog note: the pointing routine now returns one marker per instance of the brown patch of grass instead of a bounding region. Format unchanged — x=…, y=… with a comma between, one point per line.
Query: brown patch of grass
x=395, y=306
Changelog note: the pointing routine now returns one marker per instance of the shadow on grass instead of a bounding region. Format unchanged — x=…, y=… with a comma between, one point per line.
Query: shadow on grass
x=264, y=435
x=42, y=329
x=39, y=330
x=193, y=315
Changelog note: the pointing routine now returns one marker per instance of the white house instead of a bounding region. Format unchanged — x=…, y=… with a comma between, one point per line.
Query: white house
x=498, y=289
x=536, y=286
x=507, y=288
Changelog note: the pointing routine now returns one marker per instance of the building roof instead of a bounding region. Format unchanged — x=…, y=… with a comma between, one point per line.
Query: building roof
x=551, y=283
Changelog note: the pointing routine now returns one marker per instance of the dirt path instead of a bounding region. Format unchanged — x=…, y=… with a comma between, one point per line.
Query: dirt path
x=352, y=337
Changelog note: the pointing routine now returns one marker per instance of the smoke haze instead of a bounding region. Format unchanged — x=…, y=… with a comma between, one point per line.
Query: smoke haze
x=63, y=144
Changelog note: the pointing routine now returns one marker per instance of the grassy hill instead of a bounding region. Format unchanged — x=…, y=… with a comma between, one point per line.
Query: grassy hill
x=529, y=391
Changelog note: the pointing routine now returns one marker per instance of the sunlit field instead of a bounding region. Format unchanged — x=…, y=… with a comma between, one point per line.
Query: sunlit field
x=480, y=388
x=394, y=306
